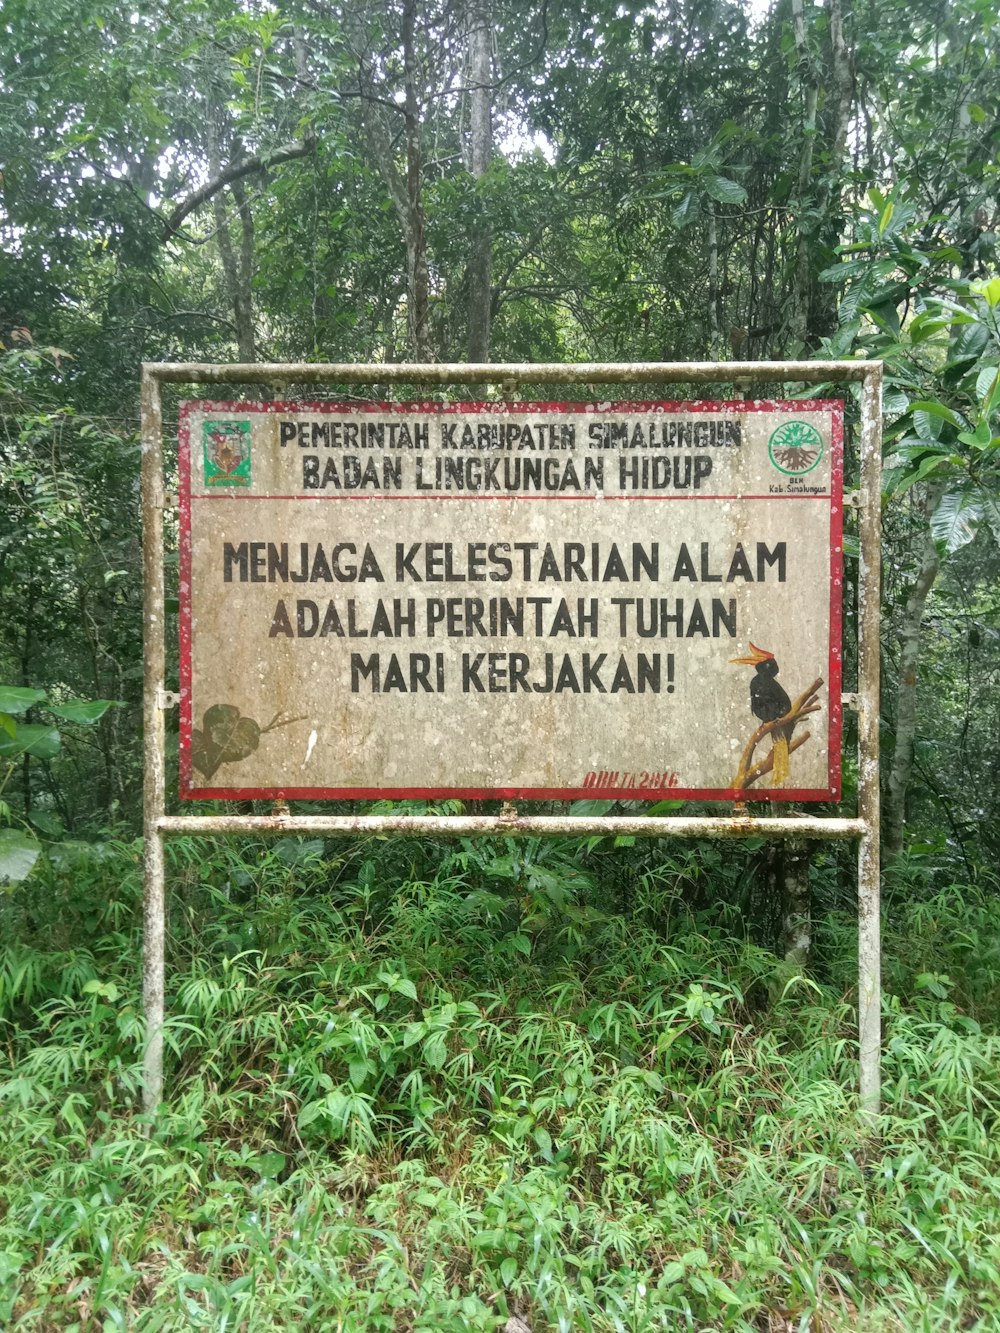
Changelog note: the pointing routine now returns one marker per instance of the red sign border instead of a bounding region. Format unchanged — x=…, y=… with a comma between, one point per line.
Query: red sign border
x=187, y=790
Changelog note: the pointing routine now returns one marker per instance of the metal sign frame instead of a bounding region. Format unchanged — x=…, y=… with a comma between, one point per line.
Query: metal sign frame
x=158, y=825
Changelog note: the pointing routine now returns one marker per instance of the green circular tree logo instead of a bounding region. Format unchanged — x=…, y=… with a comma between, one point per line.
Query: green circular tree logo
x=795, y=447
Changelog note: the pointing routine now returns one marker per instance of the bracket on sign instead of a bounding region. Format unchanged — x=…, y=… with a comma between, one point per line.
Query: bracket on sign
x=852, y=499
x=851, y=701
x=168, y=699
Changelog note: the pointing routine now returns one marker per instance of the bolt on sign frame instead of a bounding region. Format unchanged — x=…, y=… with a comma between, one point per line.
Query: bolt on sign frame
x=159, y=824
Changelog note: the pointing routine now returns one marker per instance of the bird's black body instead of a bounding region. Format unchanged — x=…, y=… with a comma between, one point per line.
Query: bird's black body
x=768, y=701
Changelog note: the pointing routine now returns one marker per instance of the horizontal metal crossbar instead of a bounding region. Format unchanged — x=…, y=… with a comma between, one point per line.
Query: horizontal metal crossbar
x=459, y=826
x=598, y=372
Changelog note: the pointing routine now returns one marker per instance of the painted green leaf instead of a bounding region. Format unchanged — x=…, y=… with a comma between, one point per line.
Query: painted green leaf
x=18, y=853
x=14, y=699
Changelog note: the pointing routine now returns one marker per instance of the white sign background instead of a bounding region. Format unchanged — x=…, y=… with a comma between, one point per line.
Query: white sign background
x=473, y=580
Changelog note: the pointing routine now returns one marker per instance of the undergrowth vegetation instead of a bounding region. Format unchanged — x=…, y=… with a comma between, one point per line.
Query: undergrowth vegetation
x=417, y=1088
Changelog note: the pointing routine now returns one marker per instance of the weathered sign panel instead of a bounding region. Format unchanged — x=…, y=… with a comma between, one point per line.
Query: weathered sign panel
x=524, y=600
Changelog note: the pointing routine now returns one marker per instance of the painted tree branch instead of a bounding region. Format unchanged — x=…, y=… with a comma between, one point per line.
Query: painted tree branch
x=748, y=772
x=287, y=153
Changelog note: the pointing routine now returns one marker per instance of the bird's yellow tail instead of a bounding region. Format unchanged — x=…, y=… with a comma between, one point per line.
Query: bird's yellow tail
x=779, y=752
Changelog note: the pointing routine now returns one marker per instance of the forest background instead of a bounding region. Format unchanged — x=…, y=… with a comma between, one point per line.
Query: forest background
x=563, y=1084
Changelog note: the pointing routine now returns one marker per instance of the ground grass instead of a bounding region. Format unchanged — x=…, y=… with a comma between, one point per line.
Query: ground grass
x=415, y=1094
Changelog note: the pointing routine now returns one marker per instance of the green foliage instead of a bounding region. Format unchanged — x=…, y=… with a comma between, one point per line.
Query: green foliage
x=376, y=1122
x=938, y=336
x=20, y=741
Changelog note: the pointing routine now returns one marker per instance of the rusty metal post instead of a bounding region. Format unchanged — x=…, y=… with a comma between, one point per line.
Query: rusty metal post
x=869, y=897
x=154, y=764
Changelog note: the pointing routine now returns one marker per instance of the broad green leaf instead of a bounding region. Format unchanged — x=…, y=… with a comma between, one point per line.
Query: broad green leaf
x=18, y=853
x=927, y=427
x=991, y=512
x=991, y=395
x=991, y=291
x=31, y=738
x=903, y=474
x=8, y=724
x=886, y=217
x=544, y=1140
x=661, y=808
x=589, y=808
x=724, y=190
x=925, y=325
x=850, y=268
x=956, y=519
x=935, y=409
x=14, y=699
x=107, y=990
x=969, y=345
x=681, y=215
x=47, y=822
x=82, y=710
x=980, y=437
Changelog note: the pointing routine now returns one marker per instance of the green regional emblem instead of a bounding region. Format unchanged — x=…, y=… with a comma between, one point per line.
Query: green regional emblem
x=795, y=447
x=226, y=449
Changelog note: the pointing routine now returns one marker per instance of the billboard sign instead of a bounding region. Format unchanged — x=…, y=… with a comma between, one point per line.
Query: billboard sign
x=526, y=600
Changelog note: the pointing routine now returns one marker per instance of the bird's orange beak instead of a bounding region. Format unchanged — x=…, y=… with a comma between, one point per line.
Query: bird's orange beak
x=758, y=655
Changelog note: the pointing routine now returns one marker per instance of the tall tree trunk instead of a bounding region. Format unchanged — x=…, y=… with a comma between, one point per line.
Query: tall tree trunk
x=796, y=902
x=416, y=237
x=237, y=266
x=840, y=104
x=802, y=281
x=479, y=271
x=813, y=312
x=714, y=349
x=894, y=822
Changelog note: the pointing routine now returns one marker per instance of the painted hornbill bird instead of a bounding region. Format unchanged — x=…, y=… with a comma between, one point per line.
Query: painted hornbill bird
x=768, y=702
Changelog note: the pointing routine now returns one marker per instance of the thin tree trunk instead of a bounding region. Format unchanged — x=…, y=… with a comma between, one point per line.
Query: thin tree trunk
x=894, y=822
x=796, y=903
x=237, y=269
x=416, y=237
x=479, y=272
x=713, y=283
x=243, y=298
x=798, y=325
x=840, y=102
